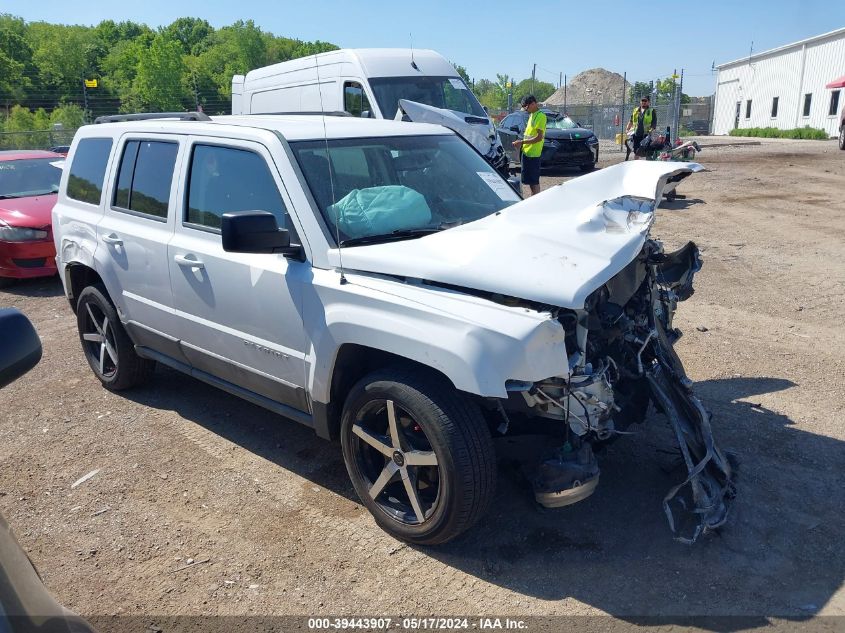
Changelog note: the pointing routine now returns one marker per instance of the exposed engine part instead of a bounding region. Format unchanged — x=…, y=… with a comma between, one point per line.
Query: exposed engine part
x=585, y=400
x=622, y=356
x=567, y=477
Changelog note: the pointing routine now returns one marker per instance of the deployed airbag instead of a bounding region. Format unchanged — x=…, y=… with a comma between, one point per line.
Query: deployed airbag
x=379, y=210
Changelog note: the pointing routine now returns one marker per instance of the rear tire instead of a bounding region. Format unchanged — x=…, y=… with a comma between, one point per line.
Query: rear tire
x=842, y=137
x=444, y=457
x=107, y=347
x=5, y=282
x=588, y=167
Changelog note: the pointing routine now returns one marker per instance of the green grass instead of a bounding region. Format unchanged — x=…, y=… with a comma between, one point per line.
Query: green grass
x=773, y=132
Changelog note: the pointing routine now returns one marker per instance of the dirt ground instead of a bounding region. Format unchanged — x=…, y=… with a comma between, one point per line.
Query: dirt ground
x=266, y=512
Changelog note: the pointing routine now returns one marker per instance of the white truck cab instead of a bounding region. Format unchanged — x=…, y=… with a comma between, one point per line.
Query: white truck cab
x=369, y=83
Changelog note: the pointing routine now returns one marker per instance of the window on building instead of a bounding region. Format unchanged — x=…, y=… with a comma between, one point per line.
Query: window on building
x=775, y=107
x=748, y=109
x=145, y=177
x=808, y=101
x=834, y=103
x=85, y=182
x=230, y=179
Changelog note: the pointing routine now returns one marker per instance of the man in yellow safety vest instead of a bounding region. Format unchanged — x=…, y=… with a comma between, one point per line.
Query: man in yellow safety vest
x=643, y=120
x=532, y=144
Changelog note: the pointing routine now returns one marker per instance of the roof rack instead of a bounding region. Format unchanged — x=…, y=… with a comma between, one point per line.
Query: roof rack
x=144, y=116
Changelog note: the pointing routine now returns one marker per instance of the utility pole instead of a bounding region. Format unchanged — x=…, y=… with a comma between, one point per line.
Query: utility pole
x=680, y=105
x=85, y=98
x=676, y=100
x=533, y=73
x=622, y=115
x=564, y=94
x=559, y=81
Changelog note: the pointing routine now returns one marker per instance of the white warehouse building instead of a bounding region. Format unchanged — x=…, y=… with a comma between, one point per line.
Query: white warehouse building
x=783, y=87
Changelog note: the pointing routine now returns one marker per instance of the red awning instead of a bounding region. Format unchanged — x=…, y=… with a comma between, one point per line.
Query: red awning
x=837, y=83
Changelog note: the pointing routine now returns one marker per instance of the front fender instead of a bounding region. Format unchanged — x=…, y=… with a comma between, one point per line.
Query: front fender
x=477, y=344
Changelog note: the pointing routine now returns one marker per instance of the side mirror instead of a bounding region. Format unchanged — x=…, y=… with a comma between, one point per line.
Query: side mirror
x=256, y=232
x=513, y=128
x=20, y=347
x=366, y=114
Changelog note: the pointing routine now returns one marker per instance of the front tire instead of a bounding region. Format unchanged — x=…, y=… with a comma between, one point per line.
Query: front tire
x=107, y=347
x=842, y=137
x=419, y=455
x=587, y=168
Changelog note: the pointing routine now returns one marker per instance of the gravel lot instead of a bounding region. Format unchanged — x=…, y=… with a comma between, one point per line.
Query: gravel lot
x=265, y=508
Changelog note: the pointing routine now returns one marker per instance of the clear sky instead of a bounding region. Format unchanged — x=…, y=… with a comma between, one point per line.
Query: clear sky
x=648, y=39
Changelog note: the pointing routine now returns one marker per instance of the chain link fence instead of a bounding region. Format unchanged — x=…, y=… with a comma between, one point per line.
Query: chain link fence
x=607, y=121
x=39, y=139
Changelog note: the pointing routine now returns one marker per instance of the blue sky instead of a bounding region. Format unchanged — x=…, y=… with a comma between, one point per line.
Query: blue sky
x=647, y=39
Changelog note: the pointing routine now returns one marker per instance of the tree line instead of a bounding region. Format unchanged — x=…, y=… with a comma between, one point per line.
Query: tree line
x=184, y=65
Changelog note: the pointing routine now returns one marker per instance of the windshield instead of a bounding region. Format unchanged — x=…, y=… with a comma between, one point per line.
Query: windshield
x=399, y=187
x=441, y=92
x=28, y=177
x=560, y=123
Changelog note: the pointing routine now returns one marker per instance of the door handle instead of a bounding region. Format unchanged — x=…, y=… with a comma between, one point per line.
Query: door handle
x=112, y=238
x=183, y=260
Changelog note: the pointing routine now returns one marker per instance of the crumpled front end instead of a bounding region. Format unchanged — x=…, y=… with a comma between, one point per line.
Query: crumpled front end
x=621, y=359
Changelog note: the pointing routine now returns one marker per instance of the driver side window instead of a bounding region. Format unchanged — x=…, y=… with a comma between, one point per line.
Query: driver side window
x=355, y=99
x=226, y=179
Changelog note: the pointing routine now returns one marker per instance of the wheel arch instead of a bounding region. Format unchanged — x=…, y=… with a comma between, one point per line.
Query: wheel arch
x=77, y=277
x=352, y=362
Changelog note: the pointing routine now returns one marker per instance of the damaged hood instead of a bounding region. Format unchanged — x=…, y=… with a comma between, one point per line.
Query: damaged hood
x=478, y=131
x=553, y=248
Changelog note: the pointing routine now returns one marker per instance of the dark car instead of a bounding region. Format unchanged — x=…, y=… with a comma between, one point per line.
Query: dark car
x=566, y=144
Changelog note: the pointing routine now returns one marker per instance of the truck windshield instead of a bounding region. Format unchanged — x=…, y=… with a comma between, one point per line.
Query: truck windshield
x=441, y=92
x=29, y=177
x=402, y=187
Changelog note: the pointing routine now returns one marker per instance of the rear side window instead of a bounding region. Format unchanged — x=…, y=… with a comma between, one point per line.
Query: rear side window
x=88, y=169
x=145, y=177
x=226, y=179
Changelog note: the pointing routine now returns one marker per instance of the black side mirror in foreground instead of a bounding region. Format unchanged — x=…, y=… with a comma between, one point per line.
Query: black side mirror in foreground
x=20, y=347
x=256, y=232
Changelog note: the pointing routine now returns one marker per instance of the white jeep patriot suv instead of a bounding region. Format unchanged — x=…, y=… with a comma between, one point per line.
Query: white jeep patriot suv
x=380, y=282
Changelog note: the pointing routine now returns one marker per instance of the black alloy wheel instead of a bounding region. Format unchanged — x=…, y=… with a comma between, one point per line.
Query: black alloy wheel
x=395, y=459
x=419, y=454
x=107, y=347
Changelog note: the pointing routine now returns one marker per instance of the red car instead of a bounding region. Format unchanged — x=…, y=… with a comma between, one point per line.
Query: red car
x=29, y=180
